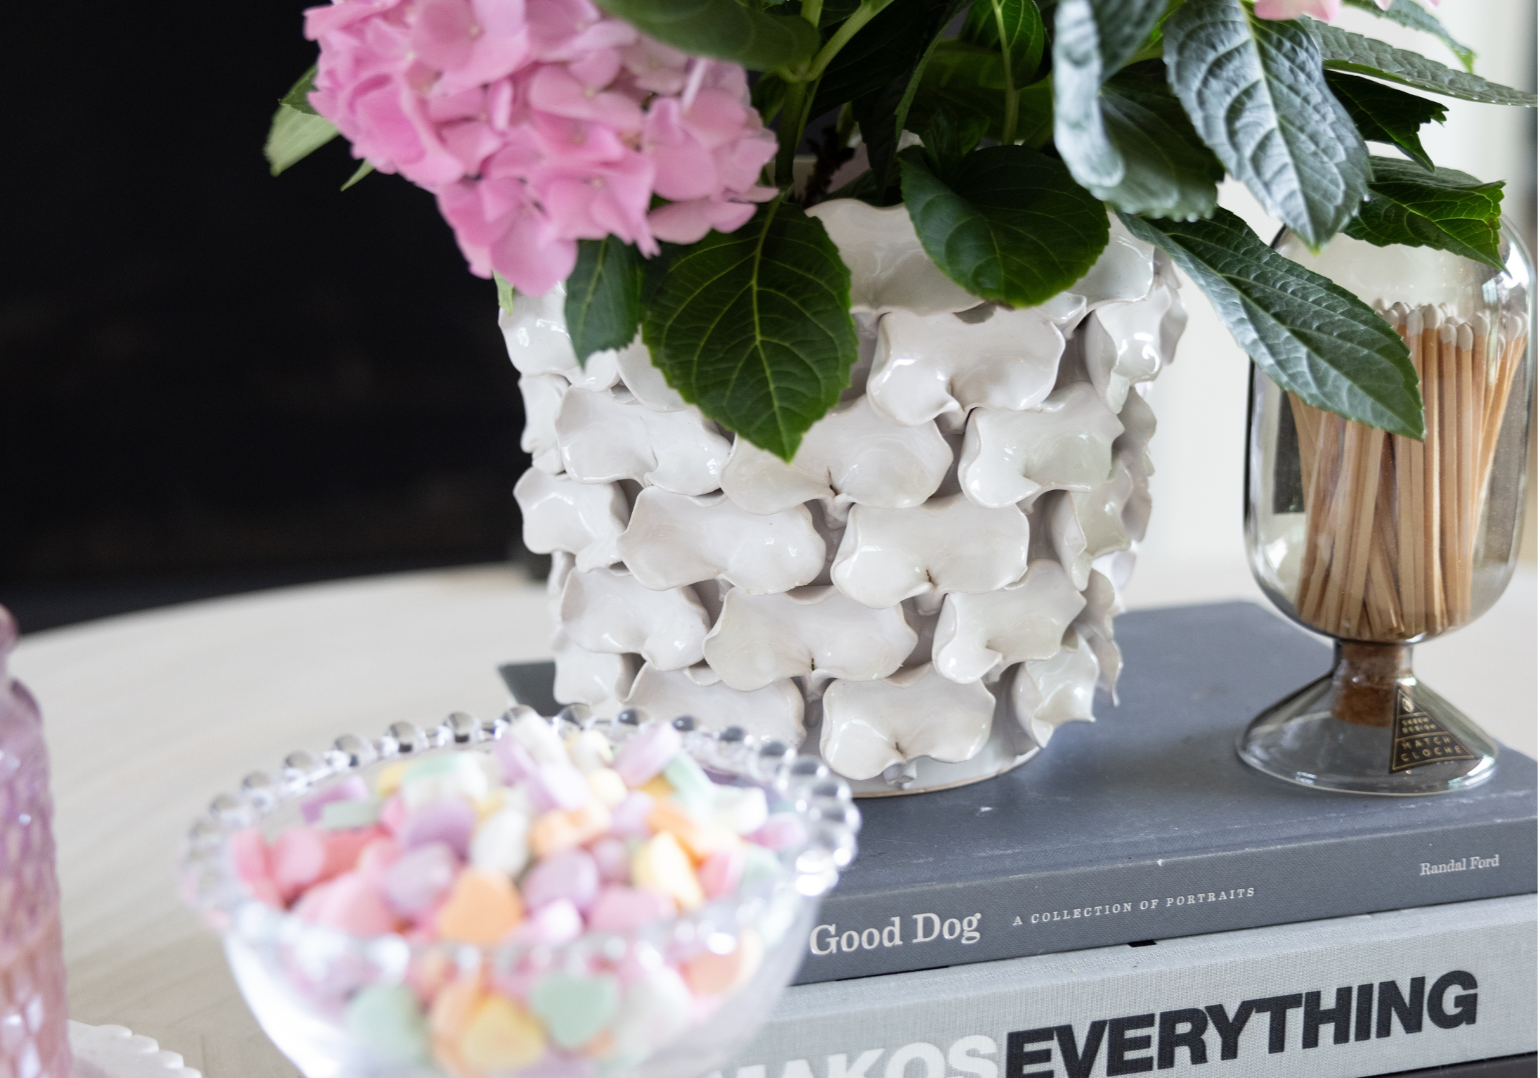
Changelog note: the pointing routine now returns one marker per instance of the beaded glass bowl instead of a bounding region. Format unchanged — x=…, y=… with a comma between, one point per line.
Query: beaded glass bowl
x=298, y=977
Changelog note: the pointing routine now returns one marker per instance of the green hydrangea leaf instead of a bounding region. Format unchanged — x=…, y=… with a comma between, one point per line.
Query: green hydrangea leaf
x=604, y=296
x=1092, y=39
x=1255, y=91
x=1167, y=170
x=724, y=29
x=754, y=327
x=1024, y=33
x=1311, y=336
x=1345, y=51
x=1446, y=209
x=296, y=131
x=1414, y=16
x=1007, y=223
x=1385, y=114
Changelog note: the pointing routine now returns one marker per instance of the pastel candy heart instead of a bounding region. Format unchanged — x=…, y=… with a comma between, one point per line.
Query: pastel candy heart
x=711, y=974
x=297, y=857
x=629, y=818
x=561, y=785
x=351, y=788
x=759, y=864
x=390, y=1021
x=572, y=875
x=249, y=856
x=517, y=763
x=687, y=777
x=420, y=878
x=553, y=924
x=501, y=843
x=700, y=839
x=347, y=815
x=721, y=873
x=555, y=831
x=740, y=809
x=483, y=907
x=449, y=821
x=656, y=1008
x=646, y=753
x=453, y=775
x=388, y=780
x=589, y=750
x=575, y=1008
x=393, y=814
x=538, y=737
x=607, y=786
x=377, y=857
x=619, y=909
x=501, y=1036
x=613, y=857
x=781, y=830
x=349, y=904
x=662, y=865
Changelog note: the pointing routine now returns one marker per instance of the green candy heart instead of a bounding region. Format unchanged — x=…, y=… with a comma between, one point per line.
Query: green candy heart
x=390, y=1022
x=575, y=1008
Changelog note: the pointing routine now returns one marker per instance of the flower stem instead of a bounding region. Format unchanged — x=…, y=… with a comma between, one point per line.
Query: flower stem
x=1012, y=102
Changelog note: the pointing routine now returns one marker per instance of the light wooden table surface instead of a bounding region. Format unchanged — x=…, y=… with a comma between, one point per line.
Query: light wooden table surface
x=149, y=715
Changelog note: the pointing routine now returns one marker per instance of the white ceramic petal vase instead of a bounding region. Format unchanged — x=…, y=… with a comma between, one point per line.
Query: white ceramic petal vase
x=926, y=592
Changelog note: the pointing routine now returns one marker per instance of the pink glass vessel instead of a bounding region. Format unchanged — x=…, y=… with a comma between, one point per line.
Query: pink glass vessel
x=34, y=1034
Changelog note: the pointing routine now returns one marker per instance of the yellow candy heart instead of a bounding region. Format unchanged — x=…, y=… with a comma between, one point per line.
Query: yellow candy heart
x=388, y=781
x=607, y=786
x=501, y=1036
x=662, y=865
x=482, y=908
x=700, y=839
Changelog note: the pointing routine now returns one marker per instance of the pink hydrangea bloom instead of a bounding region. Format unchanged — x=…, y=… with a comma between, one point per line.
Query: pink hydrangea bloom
x=1293, y=9
x=538, y=123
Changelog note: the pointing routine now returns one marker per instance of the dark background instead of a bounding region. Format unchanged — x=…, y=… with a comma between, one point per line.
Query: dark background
x=212, y=379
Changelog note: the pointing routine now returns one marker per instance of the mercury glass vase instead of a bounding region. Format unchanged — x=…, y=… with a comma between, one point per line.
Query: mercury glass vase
x=34, y=1031
x=1382, y=542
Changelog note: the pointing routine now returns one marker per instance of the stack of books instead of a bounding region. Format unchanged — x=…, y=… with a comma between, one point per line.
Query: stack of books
x=1137, y=899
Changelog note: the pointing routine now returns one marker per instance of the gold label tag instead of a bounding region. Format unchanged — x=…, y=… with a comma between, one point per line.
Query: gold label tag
x=1419, y=739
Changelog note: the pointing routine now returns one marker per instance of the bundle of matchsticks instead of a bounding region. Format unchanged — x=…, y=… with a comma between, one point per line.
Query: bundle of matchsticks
x=1391, y=523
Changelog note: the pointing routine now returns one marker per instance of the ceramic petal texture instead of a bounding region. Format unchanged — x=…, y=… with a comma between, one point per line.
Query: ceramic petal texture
x=604, y=438
x=774, y=711
x=1047, y=693
x=1066, y=444
x=854, y=453
x=585, y=519
x=542, y=395
x=1123, y=344
x=947, y=544
x=1094, y=624
x=538, y=342
x=868, y=726
x=760, y=639
x=1124, y=271
x=610, y=612
x=646, y=382
x=982, y=634
x=889, y=270
x=594, y=678
x=674, y=540
x=1091, y=525
x=930, y=365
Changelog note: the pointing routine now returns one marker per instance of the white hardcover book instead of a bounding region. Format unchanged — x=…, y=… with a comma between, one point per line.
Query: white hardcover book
x=1341, y=998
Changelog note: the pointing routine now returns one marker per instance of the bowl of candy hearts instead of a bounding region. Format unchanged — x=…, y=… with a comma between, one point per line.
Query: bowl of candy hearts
x=570, y=898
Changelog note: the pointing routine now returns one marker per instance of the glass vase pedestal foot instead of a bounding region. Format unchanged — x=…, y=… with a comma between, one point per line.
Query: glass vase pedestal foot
x=1369, y=727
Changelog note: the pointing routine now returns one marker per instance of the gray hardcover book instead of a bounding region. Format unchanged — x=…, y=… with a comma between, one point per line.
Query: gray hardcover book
x=1373, y=994
x=1146, y=826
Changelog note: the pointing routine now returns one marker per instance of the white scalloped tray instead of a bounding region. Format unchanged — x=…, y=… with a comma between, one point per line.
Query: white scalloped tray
x=116, y=1052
